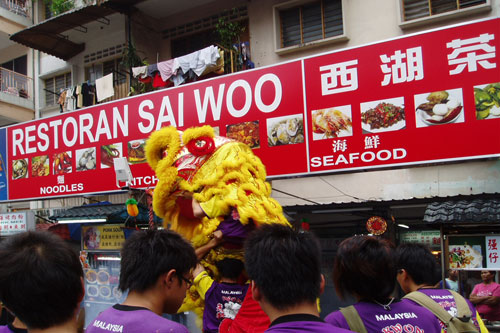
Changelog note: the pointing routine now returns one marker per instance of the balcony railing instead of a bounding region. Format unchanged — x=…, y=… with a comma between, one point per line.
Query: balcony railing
x=19, y=7
x=15, y=84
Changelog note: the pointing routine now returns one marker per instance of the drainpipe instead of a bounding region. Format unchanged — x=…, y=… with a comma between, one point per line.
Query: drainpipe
x=129, y=33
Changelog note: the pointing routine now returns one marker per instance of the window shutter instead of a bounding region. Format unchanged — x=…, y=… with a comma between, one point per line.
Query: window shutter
x=414, y=9
x=470, y=3
x=49, y=97
x=290, y=27
x=311, y=22
x=333, y=18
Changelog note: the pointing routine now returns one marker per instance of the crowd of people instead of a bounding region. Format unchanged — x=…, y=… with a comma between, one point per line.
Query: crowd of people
x=41, y=286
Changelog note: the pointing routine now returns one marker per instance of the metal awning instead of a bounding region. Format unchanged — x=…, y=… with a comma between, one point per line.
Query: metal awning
x=464, y=211
x=103, y=212
x=47, y=35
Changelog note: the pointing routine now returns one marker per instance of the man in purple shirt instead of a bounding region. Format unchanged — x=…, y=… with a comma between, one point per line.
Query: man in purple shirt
x=364, y=268
x=284, y=266
x=418, y=271
x=155, y=269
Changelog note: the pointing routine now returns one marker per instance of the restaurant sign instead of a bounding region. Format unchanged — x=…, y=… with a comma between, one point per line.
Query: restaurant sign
x=427, y=97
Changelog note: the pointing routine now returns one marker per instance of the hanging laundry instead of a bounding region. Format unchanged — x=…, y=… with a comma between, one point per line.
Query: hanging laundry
x=79, y=96
x=140, y=72
x=104, y=87
x=168, y=68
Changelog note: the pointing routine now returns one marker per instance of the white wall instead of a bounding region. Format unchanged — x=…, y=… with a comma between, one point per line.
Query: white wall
x=444, y=180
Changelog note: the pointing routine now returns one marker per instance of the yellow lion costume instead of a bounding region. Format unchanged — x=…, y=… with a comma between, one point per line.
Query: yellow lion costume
x=222, y=175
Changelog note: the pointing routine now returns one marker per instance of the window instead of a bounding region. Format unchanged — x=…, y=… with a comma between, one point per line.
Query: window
x=54, y=85
x=98, y=70
x=310, y=22
x=18, y=65
x=415, y=9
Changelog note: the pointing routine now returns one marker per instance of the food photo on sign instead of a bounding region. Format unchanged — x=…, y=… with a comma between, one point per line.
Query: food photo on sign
x=62, y=163
x=285, y=130
x=466, y=252
x=109, y=153
x=246, y=132
x=383, y=115
x=439, y=107
x=40, y=166
x=20, y=168
x=487, y=100
x=136, y=152
x=331, y=122
x=86, y=159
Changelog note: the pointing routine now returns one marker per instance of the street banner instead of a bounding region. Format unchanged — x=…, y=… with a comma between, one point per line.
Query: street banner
x=417, y=99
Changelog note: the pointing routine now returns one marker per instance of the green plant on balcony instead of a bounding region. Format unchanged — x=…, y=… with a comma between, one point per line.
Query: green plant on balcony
x=229, y=36
x=59, y=6
x=131, y=59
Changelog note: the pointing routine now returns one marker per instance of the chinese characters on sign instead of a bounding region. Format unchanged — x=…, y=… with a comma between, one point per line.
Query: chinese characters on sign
x=103, y=237
x=12, y=223
x=492, y=251
x=415, y=99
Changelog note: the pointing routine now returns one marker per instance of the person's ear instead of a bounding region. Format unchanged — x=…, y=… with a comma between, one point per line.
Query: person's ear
x=169, y=278
x=256, y=295
x=322, y=284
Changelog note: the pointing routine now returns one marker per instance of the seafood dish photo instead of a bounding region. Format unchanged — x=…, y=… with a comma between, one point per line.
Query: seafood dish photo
x=439, y=107
x=331, y=123
x=247, y=133
x=40, y=166
x=487, y=99
x=464, y=256
x=86, y=159
x=62, y=163
x=285, y=130
x=383, y=116
x=108, y=154
x=136, y=152
x=19, y=169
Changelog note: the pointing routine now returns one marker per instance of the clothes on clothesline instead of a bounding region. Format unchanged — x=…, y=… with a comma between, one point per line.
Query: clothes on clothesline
x=76, y=97
x=181, y=69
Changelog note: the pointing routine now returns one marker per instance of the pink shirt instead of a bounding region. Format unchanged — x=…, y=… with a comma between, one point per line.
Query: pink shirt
x=486, y=311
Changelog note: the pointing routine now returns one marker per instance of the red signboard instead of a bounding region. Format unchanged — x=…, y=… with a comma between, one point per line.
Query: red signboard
x=405, y=101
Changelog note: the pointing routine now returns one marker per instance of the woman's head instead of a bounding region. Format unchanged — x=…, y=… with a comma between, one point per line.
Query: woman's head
x=364, y=267
x=487, y=276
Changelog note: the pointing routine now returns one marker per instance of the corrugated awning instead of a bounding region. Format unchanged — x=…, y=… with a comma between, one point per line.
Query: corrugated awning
x=103, y=213
x=47, y=35
x=464, y=211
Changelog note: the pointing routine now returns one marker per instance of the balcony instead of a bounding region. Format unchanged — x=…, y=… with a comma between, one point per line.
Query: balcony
x=19, y=7
x=15, y=84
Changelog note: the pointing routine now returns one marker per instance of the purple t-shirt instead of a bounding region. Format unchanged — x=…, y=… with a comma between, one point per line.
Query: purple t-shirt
x=123, y=318
x=222, y=300
x=303, y=323
x=403, y=316
x=11, y=329
x=445, y=299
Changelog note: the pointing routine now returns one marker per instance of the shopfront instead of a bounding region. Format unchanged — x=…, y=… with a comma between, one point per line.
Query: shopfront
x=392, y=106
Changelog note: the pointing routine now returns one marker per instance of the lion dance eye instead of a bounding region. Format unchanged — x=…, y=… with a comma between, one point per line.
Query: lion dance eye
x=200, y=146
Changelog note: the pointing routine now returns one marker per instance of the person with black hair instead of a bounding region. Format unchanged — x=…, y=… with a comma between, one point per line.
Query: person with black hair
x=222, y=299
x=486, y=296
x=418, y=274
x=364, y=268
x=41, y=281
x=284, y=266
x=156, y=270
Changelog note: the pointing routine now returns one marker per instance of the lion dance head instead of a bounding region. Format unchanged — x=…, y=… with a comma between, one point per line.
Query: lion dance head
x=223, y=176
